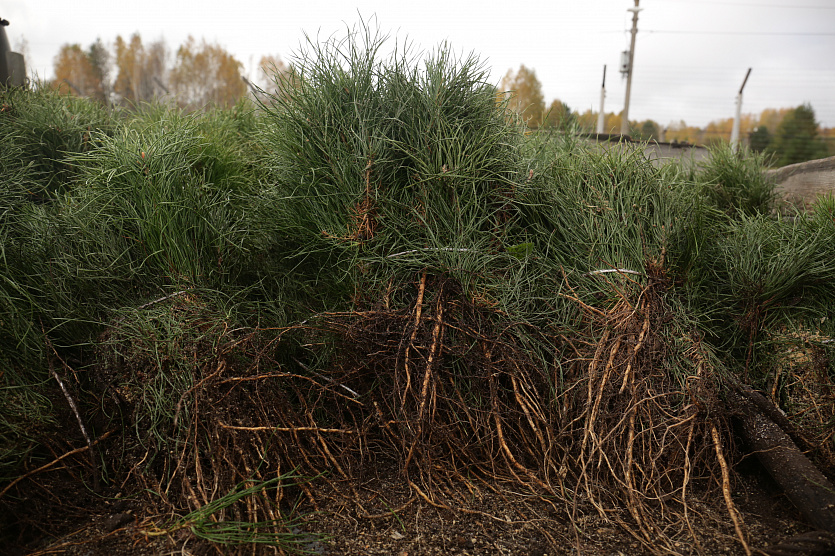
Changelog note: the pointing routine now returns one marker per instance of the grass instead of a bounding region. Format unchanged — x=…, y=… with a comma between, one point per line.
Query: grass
x=48, y=129
x=735, y=181
x=211, y=522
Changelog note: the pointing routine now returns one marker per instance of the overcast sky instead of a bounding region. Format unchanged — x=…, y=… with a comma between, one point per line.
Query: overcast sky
x=690, y=58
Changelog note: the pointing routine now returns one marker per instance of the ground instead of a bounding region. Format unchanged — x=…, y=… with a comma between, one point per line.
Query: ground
x=503, y=523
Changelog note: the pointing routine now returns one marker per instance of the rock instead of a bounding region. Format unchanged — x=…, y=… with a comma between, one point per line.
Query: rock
x=114, y=521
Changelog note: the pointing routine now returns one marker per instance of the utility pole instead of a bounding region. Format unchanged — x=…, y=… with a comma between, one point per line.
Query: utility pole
x=600, y=116
x=624, y=123
x=735, y=130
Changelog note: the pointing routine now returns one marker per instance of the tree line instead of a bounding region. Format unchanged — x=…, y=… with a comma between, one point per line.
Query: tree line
x=789, y=135
x=201, y=74
x=127, y=72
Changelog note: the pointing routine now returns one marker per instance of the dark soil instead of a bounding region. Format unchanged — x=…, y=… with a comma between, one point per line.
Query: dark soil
x=62, y=516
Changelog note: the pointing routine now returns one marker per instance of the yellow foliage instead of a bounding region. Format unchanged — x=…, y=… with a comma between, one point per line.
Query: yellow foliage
x=721, y=130
x=270, y=69
x=75, y=74
x=525, y=92
x=773, y=117
x=273, y=73
x=140, y=70
x=588, y=122
x=682, y=133
x=206, y=74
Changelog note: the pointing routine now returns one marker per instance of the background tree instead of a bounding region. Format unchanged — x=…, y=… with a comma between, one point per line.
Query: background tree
x=796, y=139
x=645, y=131
x=828, y=137
x=587, y=121
x=681, y=132
x=760, y=139
x=611, y=122
x=140, y=70
x=129, y=57
x=270, y=69
x=76, y=74
x=99, y=57
x=206, y=74
x=772, y=117
x=526, y=91
x=558, y=116
x=156, y=66
x=719, y=131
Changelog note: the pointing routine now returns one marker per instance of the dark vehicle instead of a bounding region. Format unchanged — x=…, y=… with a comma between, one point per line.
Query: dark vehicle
x=12, y=65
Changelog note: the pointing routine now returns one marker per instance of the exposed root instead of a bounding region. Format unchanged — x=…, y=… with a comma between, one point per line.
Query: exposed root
x=726, y=490
x=449, y=393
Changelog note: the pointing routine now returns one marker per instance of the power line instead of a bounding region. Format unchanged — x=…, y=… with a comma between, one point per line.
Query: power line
x=790, y=6
x=768, y=33
x=770, y=70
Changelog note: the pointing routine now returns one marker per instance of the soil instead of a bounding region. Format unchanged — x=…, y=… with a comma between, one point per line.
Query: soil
x=61, y=518
x=64, y=510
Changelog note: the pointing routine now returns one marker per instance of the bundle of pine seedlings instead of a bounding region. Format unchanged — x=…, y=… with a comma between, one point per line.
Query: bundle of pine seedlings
x=524, y=309
x=125, y=248
x=38, y=135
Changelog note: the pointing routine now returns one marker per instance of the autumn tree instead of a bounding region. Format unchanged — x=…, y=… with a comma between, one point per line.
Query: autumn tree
x=526, y=95
x=587, y=121
x=140, y=70
x=206, y=74
x=271, y=70
x=611, y=122
x=558, y=116
x=720, y=131
x=772, y=117
x=76, y=74
x=683, y=133
x=796, y=139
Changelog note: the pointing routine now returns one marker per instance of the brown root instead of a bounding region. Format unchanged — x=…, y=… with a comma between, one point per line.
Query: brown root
x=612, y=420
